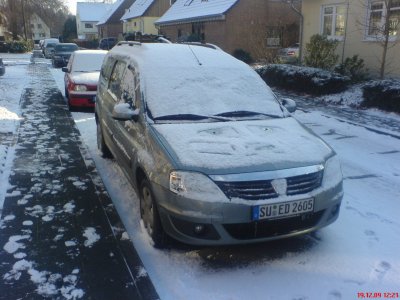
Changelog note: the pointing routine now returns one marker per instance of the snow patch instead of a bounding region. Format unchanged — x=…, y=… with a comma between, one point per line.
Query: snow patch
x=91, y=237
x=13, y=243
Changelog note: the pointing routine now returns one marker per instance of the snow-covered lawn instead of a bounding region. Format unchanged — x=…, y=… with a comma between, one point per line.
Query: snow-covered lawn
x=357, y=254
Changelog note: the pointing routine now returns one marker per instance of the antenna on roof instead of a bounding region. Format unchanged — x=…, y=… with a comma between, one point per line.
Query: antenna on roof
x=195, y=56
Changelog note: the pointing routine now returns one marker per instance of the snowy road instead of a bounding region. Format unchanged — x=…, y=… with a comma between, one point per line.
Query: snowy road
x=356, y=255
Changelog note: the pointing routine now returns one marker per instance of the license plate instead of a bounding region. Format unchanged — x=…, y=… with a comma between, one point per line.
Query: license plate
x=282, y=210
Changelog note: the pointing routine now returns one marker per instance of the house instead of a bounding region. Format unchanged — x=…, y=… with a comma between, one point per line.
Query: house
x=110, y=24
x=357, y=25
x=140, y=17
x=38, y=28
x=88, y=14
x=258, y=27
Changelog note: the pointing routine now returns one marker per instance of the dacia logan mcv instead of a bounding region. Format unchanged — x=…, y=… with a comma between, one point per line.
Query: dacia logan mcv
x=215, y=156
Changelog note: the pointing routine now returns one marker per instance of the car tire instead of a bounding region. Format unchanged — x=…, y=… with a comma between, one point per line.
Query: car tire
x=101, y=145
x=150, y=216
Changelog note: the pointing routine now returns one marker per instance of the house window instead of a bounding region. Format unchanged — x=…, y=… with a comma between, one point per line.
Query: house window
x=88, y=25
x=379, y=13
x=32, y=26
x=274, y=36
x=333, y=21
x=39, y=26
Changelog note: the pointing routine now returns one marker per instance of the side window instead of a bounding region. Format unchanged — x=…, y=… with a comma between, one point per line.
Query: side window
x=130, y=87
x=106, y=68
x=116, y=79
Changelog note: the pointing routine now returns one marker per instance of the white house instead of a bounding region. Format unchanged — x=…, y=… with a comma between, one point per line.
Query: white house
x=38, y=28
x=88, y=14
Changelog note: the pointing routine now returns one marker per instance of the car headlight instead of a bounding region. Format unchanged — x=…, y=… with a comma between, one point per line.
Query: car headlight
x=195, y=186
x=80, y=88
x=333, y=171
x=56, y=56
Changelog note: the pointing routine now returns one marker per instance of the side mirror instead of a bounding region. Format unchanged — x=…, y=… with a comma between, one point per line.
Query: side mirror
x=123, y=112
x=65, y=69
x=289, y=104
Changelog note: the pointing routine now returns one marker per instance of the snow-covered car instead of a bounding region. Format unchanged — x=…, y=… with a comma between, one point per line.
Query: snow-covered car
x=2, y=67
x=81, y=77
x=290, y=54
x=62, y=53
x=48, y=50
x=215, y=156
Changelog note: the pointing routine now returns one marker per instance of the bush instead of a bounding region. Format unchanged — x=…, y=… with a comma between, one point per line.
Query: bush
x=303, y=79
x=320, y=52
x=21, y=46
x=383, y=94
x=243, y=56
x=354, y=68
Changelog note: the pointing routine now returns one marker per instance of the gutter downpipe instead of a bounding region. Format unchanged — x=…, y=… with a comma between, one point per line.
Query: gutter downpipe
x=298, y=12
x=345, y=29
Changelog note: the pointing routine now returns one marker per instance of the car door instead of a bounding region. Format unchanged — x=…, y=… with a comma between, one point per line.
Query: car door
x=131, y=132
x=113, y=96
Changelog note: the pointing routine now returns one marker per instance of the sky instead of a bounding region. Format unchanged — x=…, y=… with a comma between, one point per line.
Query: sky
x=71, y=4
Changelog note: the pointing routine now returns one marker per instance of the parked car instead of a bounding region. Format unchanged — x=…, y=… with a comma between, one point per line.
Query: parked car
x=48, y=51
x=2, y=67
x=81, y=77
x=62, y=53
x=290, y=54
x=215, y=156
x=108, y=43
x=4, y=46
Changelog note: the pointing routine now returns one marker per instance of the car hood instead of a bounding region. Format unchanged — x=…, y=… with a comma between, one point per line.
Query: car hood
x=89, y=78
x=242, y=146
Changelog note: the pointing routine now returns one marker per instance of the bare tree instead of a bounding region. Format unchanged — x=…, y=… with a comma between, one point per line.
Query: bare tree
x=383, y=26
x=18, y=13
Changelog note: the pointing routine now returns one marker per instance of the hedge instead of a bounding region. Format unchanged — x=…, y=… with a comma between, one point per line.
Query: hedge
x=303, y=79
x=382, y=94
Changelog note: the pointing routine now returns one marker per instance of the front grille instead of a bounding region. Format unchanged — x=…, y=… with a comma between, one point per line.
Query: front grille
x=272, y=228
x=262, y=189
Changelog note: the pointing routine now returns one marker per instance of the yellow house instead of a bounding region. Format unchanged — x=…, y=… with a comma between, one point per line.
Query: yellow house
x=140, y=17
x=359, y=26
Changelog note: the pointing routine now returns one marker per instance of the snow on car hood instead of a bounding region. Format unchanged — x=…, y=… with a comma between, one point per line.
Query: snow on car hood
x=90, y=78
x=242, y=146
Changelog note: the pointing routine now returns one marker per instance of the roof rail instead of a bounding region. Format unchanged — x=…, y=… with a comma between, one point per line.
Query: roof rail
x=130, y=43
x=207, y=45
x=163, y=40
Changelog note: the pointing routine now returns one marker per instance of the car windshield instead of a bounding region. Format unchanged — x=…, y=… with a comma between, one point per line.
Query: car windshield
x=87, y=62
x=229, y=93
x=51, y=45
x=66, y=48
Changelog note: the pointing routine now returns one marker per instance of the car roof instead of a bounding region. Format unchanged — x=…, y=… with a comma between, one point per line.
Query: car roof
x=174, y=55
x=89, y=52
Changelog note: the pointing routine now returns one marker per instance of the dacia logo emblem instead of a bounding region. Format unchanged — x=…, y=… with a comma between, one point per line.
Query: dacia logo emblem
x=280, y=186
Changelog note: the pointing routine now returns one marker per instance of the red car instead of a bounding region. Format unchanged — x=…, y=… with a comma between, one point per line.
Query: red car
x=81, y=77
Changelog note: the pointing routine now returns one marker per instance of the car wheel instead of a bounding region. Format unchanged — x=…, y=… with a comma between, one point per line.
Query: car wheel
x=101, y=145
x=150, y=217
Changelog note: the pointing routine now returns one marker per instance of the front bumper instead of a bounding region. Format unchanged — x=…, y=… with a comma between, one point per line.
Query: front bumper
x=230, y=223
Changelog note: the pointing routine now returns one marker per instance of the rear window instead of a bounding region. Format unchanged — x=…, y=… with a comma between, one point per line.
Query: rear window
x=88, y=62
x=66, y=48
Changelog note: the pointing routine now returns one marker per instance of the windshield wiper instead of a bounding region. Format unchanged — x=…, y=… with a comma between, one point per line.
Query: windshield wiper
x=186, y=117
x=244, y=114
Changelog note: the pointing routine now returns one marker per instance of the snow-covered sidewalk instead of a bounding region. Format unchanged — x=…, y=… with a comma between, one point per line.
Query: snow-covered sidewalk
x=60, y=236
